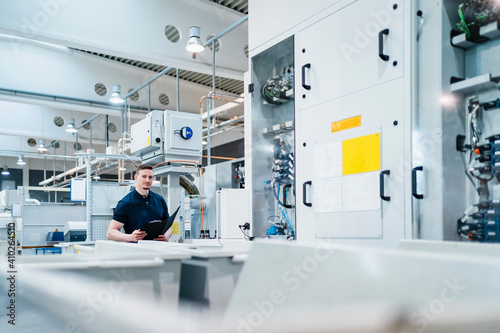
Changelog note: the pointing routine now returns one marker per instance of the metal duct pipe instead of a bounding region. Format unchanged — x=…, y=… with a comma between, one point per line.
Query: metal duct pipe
x=106, y=131
x=225, y=123
x=78, y=103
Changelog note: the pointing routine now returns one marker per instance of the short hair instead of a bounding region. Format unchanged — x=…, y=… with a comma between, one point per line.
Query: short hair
x=143, y=167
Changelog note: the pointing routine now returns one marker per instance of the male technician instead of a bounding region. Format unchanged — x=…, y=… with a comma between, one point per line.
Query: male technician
x=139, y=206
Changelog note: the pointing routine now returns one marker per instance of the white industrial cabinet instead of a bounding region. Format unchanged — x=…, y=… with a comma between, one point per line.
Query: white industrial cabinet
x=340, y=54
x=351, y=126
x=376, y=118
x=350, y=92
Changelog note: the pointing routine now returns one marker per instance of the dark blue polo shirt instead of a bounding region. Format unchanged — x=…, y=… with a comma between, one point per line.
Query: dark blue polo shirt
x=135, y=209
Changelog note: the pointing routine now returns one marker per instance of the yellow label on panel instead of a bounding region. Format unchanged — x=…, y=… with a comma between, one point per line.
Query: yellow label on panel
x=346, y=124
x=149, y=141
x=175, y=228
x=361, y=154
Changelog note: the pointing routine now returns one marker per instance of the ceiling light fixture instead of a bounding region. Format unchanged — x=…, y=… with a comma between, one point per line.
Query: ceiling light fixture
x=116, y=96
x=41, y=148
x=194, y=43
x=71, y=126
x=20, y=161
x=5, y=171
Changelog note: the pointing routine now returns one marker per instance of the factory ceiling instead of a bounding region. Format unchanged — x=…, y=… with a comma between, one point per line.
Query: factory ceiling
x=67, y=49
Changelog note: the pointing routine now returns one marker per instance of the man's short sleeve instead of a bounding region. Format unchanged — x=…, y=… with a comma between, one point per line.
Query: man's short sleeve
x=121, y=214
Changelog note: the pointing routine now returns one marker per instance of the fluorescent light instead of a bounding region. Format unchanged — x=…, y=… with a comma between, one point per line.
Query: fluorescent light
x=71, y=126
x=116, y=96
x=194, y=43
x=5, y=171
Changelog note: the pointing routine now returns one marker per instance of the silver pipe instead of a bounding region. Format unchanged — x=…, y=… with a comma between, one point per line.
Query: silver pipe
x=88, y=121
x=208, y=131
x=125, y=115
x=106, y=131
x=53, y=144
x=90, y=138
x=123, y=121
x=64, y=166
x=154, y=78
x=45, y=167
x=110, y=156
x=225, y=123
x=177, y=88
x=149, y=97
x=228, y=29
x=53, y=173
x=223, y=130
x=56, y=98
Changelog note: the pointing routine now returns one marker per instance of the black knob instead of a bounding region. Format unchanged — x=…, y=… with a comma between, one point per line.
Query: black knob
x=158, y=140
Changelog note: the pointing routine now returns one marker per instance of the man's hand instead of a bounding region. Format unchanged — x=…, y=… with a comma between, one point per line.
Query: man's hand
x=137, y=235
x=161, y=238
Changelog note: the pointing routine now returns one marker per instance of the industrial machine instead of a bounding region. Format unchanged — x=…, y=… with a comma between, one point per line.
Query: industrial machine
x=353, y=140
x=475, y=34
x=272, y=153
x=54, y=237
x=167, y=136
x=75, y=231
x=481, y=221
x=216, y=177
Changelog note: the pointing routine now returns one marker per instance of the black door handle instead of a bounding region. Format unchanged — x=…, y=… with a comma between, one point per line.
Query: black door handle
x=381, y=54
x=414, y=182
x=382, y=190
x=308, y=204
x=306, y=87
x=285, y=197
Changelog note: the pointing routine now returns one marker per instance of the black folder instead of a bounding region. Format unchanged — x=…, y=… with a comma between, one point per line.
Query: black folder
x=158, y=227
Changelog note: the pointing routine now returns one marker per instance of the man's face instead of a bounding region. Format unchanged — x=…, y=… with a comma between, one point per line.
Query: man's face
x=144, y=179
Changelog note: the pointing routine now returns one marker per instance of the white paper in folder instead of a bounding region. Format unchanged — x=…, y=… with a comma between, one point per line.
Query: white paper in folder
x=78, y=189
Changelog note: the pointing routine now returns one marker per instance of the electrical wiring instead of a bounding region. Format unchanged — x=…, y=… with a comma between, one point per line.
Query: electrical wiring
x=285, y=215
x=244, y=227
x=274, y=216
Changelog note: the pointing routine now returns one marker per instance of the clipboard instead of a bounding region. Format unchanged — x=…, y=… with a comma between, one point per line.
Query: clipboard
x=158, y=227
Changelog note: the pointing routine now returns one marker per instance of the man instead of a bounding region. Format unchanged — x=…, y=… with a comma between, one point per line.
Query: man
x=138, y=207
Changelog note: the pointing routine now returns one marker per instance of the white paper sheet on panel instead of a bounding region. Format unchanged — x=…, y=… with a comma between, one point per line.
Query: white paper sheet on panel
x=327, y=195
x=78, y=189
x=361, y=191
x=328, y=160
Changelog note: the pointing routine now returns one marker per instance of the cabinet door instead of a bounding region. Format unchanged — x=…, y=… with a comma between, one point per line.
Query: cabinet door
x=355, y=48
x=339, y=196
